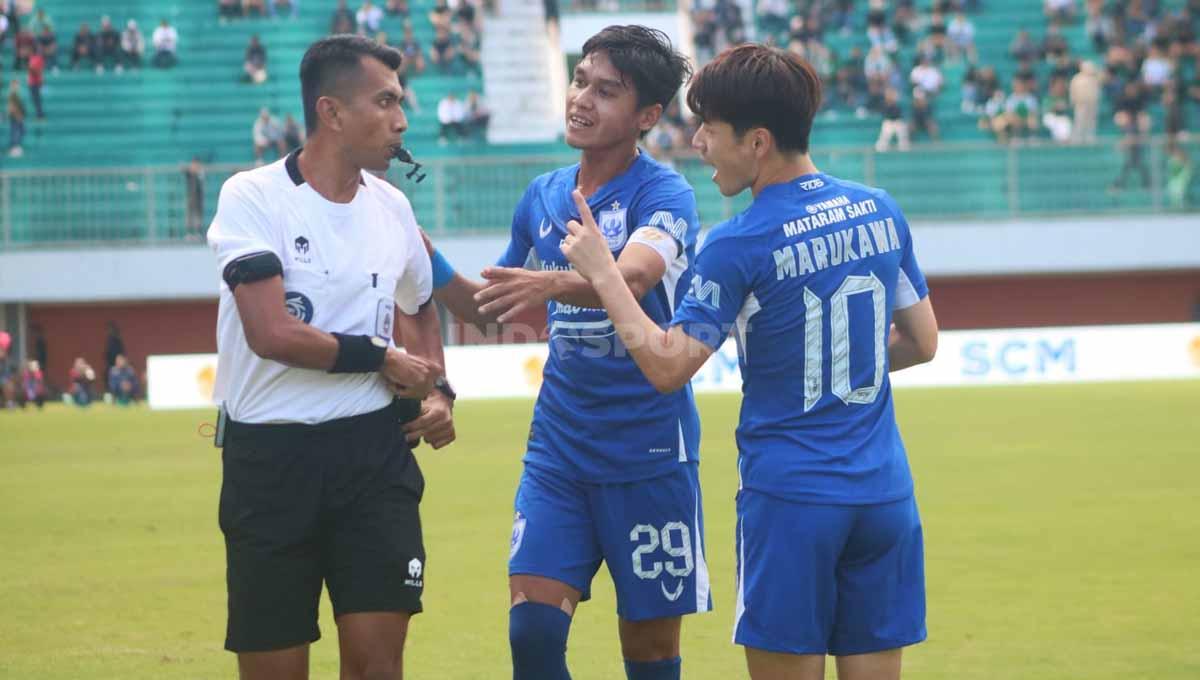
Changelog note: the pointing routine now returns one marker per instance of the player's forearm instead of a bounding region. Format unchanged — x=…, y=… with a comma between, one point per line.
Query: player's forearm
x=459, y=297
x=570, y=288
x=422, y=334
x=296, y=344
x=661, y=358
x=904, y=351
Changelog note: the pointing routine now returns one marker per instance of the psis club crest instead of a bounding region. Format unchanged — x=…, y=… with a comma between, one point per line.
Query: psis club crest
x=612, y=225
x=299, y=306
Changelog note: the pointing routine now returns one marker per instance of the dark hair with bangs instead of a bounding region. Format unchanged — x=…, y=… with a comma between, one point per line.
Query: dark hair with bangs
x=646, y=57
x=330, y=64
x=751, y=86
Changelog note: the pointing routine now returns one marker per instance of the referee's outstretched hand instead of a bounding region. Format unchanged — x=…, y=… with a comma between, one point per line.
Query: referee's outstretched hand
x=411, y=376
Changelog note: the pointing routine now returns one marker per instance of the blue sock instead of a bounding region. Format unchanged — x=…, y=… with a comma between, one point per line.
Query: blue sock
x=537, y=634
x=667, y=669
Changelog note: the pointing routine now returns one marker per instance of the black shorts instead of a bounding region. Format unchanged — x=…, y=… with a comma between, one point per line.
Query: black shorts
x=301, y=505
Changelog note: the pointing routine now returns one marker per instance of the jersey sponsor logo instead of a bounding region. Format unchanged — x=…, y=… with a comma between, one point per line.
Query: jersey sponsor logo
x=612, y=225
x=545, y=228
x=299, y=306
x=518, y=529
x=707, y=293
x=810, y=184
x=414, y=574
x=663, y=219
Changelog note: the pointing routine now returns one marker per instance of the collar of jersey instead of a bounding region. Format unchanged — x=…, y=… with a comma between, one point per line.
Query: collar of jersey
x=293, y=168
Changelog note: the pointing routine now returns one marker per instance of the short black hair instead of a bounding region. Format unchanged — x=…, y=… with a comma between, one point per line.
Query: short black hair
x=751, y=86
x=646, y=56
x=330, y=62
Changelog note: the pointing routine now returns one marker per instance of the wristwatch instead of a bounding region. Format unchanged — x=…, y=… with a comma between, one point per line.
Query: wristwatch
x=442, y=385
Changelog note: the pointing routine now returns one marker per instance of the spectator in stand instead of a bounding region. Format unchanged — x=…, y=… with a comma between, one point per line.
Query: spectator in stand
x=193, y=179
x=1084, y=95
x=397, y=8
x=114, y=345
x=229, y=9
x=368, y=19
x=35, y=79
x=266, y=133
x=905, y=21
x=923, y=118
x=343, y=19
x=850, y=85
x=256, y=7
x=16, y=120
x=3, y=24
x=1179, y=178
x=1099, y=26
x=441, y=15
x=8, y=387
x=33, y=385
x=1174, y=115
x=729, y=18
x=23, y=47
x=478, y=116
x=466, y=17
x=278, y=7
x=1061, y=11
x=255, y=63
x=773, y=15
x=878, y=33
x=85, y=47
x=1157, y=69
x=927, y=77
x=40, y=21
x=1056, y=111
x=452, y=116
x=704, y=33
x=442, y=52
x=108, y=43
x=1130, y=110
x=935, y=45
x=414, y=57
x=1022, y=47
x=880, y=73
x=961, y=32
x=47, y=43
x=133, y=45
x=166, y=41
x=1020, y=113
x=893, y=125
x=1054, y=44
x=81, y=378
x=122, y=382
x=293, y=133
x=469, y=49
x=1064, y=67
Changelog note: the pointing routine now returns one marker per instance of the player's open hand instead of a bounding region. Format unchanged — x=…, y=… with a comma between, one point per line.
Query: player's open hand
x=510, y=291
x=410, y=376
x=585, y=247
x=436, y=422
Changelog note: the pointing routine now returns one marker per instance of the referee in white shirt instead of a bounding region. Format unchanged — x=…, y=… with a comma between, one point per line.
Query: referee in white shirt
x=320, y=485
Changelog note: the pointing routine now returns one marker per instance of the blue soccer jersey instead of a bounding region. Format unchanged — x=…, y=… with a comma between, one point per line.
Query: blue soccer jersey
x=597, y=418
x=807, y=279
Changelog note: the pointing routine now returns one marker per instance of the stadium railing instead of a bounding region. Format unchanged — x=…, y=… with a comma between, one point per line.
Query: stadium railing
x=149, y=205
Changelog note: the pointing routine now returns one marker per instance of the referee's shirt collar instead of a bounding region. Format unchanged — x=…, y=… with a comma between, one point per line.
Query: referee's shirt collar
x=292, y=164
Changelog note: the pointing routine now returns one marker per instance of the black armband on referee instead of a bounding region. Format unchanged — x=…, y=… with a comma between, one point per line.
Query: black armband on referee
x=358, y=353
x=251, y=268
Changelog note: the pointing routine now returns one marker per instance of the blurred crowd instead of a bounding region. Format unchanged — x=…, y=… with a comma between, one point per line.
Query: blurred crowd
x=26, y=383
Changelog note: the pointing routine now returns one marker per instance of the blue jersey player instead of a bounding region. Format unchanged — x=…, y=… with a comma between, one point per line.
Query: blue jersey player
x=611, y=463
x=818, y=284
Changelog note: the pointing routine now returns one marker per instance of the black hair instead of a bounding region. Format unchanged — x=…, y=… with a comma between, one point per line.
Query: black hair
x=751, y=86
x=330, y=62
x=646, y=57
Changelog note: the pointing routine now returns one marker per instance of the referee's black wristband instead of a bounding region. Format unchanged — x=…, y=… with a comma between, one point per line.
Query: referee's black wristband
x=358, y=354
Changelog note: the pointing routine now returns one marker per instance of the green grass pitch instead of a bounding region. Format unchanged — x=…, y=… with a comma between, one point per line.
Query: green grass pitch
x=1062, y=530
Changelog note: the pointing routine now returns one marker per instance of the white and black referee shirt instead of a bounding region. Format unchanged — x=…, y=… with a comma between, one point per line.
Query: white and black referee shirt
x=344, y=265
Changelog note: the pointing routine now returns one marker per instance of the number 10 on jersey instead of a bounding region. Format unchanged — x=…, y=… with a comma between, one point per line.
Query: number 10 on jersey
x=839, y=342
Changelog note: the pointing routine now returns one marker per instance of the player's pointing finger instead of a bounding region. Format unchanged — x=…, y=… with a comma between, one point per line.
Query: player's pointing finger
x=585, y=213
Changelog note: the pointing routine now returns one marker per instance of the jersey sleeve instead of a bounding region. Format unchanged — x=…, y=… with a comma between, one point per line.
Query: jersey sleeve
x=720, y=283
x=910, y=285
x=521, y=241
x=241, y=226
x=415, y=286
x=671, y=212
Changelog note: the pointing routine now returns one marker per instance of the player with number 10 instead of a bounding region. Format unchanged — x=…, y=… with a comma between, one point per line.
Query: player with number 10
x=818, y=283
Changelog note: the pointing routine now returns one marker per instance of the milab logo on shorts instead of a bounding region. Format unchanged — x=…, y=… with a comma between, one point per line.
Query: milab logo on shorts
x=414, y=574
x=299, y=306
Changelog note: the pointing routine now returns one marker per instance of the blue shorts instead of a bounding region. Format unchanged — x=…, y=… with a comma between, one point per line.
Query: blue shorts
x=649, y=532
x=828, y=579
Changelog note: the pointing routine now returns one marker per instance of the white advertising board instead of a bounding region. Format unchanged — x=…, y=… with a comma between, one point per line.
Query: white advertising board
x=990, y=357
